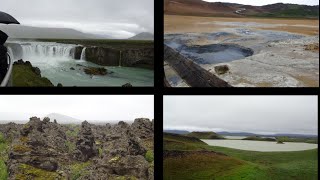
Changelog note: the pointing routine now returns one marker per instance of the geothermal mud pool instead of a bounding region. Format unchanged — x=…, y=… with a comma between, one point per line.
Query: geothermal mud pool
x=57, y=62
x=256, y=58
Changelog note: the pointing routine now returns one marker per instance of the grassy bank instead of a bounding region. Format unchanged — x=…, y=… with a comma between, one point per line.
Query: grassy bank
x=24, y=76
x=3, y=157
x=236, y=164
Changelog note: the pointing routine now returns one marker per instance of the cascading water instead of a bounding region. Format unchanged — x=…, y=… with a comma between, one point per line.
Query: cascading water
x=47, y=50
x=83, y=54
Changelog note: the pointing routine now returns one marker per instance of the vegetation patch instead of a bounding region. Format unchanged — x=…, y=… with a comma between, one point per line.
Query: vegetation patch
x=3, y=157
x=258, y=138
x=100, y=150
x=21, y=148
x=115, y=159
x=149, y=156
x=71, y=146
x=205, y=135
x=77, y=170
x=30, y=172
x=24, y=76
x=193, y=163
x=24, y=139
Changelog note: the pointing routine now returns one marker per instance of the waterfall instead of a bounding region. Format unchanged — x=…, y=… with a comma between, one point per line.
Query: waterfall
x=38, y=50
x=83, y=54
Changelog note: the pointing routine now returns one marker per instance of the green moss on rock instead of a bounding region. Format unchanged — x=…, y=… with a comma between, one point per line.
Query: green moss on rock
x=149, y=156
x=24, y=76
x=77, y=170
x=21, y=148
x=30, y=172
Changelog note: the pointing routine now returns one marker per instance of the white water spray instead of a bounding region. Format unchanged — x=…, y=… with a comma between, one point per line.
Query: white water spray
x=47, y=50
x=83, y=54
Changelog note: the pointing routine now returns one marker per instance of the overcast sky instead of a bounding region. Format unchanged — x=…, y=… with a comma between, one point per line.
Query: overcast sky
x=116, y=18
x=93, y=107
x=263, y=2
x=256, y=114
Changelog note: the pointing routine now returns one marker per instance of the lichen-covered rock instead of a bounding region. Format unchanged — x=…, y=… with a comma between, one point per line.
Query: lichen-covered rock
x=142, y=127
x=85, y=146
x=48, y=150
x=41, y=145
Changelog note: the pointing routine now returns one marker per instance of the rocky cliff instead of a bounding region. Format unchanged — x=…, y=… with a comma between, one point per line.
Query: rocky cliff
x=42, y=149
x=140, y=57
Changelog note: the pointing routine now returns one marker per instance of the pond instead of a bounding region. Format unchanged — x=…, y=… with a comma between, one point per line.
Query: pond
x=263, y=146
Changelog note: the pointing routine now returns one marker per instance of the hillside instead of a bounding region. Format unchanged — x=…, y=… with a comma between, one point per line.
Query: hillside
x=143, y=36
x=210, y=162
x=205, y=135
x=29, y=32
x=202, y=8
x=258, y=138
x=176, y=131
x=63, y=119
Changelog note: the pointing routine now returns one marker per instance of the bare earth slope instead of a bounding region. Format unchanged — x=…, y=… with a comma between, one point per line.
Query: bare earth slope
x=202, y=8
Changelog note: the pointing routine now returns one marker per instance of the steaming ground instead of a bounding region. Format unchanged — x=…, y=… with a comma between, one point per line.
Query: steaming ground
x=280, y=58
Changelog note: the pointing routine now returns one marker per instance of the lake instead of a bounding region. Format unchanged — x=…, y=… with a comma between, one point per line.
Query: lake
x=263, y=146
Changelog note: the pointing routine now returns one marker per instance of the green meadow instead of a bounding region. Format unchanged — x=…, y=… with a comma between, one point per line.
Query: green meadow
x=194, y=159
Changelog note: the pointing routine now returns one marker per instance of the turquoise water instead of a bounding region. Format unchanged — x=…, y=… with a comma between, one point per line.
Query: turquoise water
x=60, y=72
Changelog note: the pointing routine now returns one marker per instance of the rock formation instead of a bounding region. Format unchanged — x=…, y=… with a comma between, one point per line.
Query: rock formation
x=85, y=146
x=41, y=149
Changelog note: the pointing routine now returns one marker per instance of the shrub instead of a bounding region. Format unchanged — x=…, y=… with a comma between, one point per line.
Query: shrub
x=149, y=156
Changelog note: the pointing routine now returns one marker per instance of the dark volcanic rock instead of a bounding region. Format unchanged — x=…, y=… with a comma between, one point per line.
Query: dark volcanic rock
x=96, y=71
x=127, y=85
x=103, y=56
x=41, y=145
x=85, y=146
x=221, y=69
x=142, y=127
x=102, y=151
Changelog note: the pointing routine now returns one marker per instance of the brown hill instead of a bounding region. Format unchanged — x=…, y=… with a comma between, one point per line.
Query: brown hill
x=198, y=8
x=202, y=8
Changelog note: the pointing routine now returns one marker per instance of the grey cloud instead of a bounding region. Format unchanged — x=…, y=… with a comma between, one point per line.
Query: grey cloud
x=121, y=18
x=267, y=114
x=85, y=107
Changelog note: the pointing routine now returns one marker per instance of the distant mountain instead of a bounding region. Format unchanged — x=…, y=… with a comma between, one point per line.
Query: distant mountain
x=63, y=119
x=143, y=36
x=176, y=131
x=224, y=133
x=202, y=8
x=29, y=32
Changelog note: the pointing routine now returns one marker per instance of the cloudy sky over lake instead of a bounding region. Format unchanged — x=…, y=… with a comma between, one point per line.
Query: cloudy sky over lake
x=119, y=19
x=257, y=114
x=83, y=107
x=261, y=3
